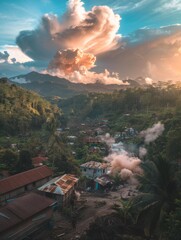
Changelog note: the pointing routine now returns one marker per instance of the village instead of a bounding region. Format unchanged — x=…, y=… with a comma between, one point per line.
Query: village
x=37, y=205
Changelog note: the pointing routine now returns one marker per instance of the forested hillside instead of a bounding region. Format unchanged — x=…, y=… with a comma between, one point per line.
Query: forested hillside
x=22, y=110
x=137, y=108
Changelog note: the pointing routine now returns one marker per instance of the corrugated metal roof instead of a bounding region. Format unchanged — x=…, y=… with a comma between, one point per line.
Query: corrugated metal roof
x=22, y=208
x=59, y=185
x=21, y=179
x=95, y=165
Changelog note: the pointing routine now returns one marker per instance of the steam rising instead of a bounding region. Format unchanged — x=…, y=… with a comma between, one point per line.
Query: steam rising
x=151, y=134
x=108, y=139
x=142, y=152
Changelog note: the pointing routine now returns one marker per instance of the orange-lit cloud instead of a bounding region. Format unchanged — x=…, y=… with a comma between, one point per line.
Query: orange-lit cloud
x=92, y=31
x=158, y=59
x=71, y=60
x=74, y=64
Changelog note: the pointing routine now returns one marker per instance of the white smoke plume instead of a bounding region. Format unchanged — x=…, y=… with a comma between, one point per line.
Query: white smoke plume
x=74, y=64
x=151, y=134
x=92, y=31
x=108, y=139
x=142, y=152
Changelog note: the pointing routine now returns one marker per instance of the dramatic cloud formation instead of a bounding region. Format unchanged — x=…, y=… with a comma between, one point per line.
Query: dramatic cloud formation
x=150, y=53
x=154, y=54
x=74, y=65
x=71, y=60
x=151, y=134
x=93, y=31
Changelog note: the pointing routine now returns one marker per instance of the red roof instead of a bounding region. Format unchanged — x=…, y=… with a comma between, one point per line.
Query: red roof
x=22, y=208
x=21, y=179
x=37, y=161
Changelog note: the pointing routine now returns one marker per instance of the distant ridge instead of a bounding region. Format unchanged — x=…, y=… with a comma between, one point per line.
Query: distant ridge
x=49, y=86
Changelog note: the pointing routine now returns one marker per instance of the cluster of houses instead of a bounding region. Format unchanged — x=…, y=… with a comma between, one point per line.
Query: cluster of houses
x=28, y=200
x=98, y=173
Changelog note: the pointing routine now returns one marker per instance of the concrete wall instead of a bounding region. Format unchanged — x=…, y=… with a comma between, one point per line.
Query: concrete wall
x=93, y=173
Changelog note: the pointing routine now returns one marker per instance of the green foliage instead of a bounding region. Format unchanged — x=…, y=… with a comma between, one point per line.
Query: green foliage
x=125, y=211
x=158, y=192
x=25, y=161
x=173, y=223
x=22, y=110
x=60, y=156
x=8, y=160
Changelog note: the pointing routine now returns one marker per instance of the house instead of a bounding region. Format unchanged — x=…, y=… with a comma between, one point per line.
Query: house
x=60, y=188
x=38, y=161
x=25, y=217
x=103, y=182
x=20, y=183
x=94, y=169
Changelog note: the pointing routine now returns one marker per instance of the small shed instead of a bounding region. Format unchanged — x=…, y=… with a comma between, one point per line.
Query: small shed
x=60, y=188
x=103, y=182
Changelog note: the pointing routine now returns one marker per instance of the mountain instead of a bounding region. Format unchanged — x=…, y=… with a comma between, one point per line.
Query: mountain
x=22, y=110
x=49, y=86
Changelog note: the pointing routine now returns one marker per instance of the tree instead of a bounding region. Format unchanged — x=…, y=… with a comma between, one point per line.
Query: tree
x=9, y=158
x=173, y=223
x=25, y=161
x=158, y=192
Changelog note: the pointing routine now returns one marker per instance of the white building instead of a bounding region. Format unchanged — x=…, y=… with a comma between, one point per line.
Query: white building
x=94, y=169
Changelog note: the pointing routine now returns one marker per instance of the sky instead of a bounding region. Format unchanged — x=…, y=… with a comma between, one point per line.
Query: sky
x=145, y=29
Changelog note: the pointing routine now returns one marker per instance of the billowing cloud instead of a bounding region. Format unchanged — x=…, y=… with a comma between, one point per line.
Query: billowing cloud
x=154, y=54
x=74, y=65
x=71, y=60
x=92, y=31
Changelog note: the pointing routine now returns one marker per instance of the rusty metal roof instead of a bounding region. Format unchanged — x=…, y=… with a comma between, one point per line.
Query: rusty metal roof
x=21, y=179
x=94, y=165
x=59, y=185
x=22, y=208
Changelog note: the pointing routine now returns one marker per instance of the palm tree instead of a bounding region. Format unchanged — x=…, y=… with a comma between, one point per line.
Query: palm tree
x=158, y=191
x=125, y=211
